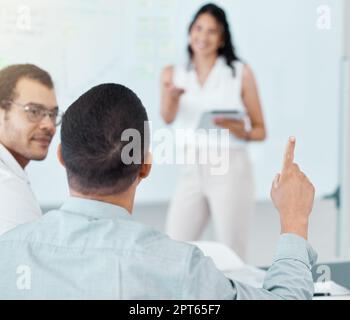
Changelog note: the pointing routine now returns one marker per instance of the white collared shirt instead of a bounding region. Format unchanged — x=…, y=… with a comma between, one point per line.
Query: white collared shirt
x=18, y=204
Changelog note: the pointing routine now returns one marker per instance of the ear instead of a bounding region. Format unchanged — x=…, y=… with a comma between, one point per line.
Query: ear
x=146, y=167
x=59, y=155
x=5, y=105
x=3, y=111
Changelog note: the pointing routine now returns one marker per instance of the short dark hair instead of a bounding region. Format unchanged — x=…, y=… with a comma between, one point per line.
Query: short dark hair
x=10, y=75
x=92, y=144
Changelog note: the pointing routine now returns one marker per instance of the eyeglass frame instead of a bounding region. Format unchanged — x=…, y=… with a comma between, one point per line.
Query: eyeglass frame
x=44, y=111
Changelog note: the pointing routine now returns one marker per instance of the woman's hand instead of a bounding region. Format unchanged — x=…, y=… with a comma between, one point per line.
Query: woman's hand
x=174, y=92
x=170, y=96
x=236, y=127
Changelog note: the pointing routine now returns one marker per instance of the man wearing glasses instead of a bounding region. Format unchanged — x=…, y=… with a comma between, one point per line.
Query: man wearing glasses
x=28, y=119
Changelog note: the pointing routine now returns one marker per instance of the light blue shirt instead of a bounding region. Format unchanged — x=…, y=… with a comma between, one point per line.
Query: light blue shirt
x=93, y=250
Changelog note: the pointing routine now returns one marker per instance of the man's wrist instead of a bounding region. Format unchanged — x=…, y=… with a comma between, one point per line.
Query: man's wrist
x=301, y=229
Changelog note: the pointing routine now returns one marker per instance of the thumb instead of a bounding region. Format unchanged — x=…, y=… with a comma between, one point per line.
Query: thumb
x=276, y=181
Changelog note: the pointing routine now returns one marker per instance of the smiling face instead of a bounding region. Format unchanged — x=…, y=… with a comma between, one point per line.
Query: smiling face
x=206, y=36
x=27, y=140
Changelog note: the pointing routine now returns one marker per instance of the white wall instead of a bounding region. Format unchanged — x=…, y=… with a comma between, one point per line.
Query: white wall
x=347, y=41
x=83, y=43
x=344, y=213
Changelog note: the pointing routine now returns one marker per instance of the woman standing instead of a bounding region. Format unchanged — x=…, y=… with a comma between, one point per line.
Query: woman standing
x=214, y=78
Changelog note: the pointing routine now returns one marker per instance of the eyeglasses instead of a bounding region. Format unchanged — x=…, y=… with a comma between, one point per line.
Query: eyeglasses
x=37, y=112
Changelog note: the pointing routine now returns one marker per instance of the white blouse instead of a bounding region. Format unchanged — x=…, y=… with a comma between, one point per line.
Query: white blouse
x=221, y=91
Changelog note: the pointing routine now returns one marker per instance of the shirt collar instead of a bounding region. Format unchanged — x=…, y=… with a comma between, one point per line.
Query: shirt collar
x=11, y=163
x=95, y=209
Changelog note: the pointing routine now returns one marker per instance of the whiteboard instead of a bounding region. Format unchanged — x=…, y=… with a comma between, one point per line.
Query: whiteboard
x=85, y=43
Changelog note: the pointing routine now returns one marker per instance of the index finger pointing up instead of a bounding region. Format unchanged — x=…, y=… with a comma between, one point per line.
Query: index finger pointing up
x=289, y=154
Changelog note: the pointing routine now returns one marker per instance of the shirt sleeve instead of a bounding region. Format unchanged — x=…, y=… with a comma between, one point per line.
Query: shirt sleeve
x=289, y=277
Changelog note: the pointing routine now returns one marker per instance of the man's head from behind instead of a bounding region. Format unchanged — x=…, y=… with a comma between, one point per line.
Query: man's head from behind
x=27, y=112
x=92, y=141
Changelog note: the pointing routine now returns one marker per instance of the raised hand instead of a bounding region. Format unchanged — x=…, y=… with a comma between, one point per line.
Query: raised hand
x=293, y=195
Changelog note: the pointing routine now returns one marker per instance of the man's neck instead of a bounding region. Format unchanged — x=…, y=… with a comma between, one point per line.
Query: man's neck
x=23, y=162
x=124, y=200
